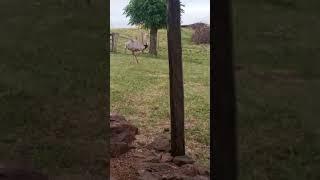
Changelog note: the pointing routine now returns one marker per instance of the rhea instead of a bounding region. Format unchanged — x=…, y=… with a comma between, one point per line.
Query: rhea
x=135, y=47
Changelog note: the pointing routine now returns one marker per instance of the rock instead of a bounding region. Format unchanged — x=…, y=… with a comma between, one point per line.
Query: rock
x=122, y=135
x=194, y=170
x=156, y=167
x=119, y=148
x=166, y=157
x=189, y=169
x=146, y=175
x=203, y=171
x=201, y=178
x=184, y=177
x=161, y=143
x=139, y=155
x=153, y=159
x=181, y=160
x=174, y=177
x=140, y=143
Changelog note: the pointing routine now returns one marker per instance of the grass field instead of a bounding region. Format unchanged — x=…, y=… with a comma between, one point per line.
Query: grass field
x=51, y=87
x=140, y=91
x=276, y=48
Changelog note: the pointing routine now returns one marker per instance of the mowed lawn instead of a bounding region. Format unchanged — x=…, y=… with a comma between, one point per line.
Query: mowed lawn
x=141, y=91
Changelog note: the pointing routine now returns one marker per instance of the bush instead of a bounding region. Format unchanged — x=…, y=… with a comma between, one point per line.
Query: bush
x=198, y=25
x=201, y=35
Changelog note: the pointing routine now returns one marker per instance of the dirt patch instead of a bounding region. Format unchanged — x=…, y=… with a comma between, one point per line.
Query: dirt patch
x=150, y=159
x=148, y=164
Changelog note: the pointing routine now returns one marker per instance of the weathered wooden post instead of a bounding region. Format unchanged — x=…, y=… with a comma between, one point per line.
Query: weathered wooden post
x=115, y=41
x=112, y=43
x=176, y=78
x=142, y=37
x=158, y=41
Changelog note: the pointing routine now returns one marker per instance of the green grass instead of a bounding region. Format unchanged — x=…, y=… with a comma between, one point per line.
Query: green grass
x=141, y=91
x=50, y=86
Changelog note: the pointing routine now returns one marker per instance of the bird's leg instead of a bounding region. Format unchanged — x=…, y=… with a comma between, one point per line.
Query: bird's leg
x=136, y=58
x=133, y=55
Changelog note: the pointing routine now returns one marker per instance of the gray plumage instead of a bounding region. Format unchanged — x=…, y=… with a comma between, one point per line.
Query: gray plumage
x=135, y=46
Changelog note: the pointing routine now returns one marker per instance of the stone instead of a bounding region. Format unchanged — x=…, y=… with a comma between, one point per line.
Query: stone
x=194, y=170
x=189, y=169
x=122, y=135
x=118, y=148
x=139, y=155
x=203, y=171
x=156, y=167
x=140, y=143
x=153, y=159
x=146, y=175
x=166, y=157
x=198, y=177
x=181, y=160
x=161, y=143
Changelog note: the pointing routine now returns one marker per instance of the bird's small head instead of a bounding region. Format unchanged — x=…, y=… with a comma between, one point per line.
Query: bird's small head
x=146, y=46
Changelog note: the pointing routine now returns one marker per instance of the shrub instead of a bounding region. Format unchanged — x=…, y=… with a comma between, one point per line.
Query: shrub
x=201, y=34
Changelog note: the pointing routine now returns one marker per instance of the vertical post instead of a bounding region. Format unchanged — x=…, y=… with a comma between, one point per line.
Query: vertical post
x=112, y=42
x=223, y=130
x=176, y=78
x=115, y=41
x=107, y=43
x=158, y=40
x=142, y=34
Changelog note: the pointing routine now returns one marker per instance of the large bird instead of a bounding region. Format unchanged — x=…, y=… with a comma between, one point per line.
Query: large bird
x=135, y=47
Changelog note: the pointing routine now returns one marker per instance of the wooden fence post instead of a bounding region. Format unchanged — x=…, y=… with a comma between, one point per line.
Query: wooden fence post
x=112, y=41
x=158, y=40
x=142, y=39
x=176, y=78
x=115, y=41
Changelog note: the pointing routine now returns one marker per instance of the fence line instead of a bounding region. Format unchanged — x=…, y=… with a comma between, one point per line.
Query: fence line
x=115, y=36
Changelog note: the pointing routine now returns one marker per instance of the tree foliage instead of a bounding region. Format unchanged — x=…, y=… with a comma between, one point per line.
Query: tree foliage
x=148, y=13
